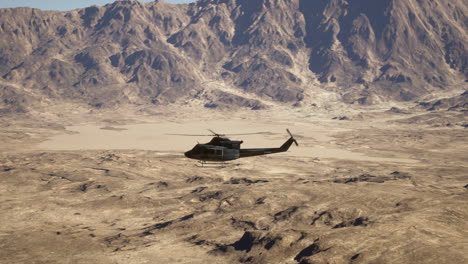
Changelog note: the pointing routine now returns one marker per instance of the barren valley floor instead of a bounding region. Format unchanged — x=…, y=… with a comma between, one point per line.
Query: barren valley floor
x=390, y=191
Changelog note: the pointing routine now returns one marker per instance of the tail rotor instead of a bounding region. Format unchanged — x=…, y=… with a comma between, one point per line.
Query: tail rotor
x=294, y=140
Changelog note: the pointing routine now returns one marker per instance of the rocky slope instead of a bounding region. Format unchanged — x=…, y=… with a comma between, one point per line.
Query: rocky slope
x=456, y=103
x=273, y=50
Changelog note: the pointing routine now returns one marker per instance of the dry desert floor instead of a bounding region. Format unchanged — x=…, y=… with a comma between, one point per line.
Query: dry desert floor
x=106, y=186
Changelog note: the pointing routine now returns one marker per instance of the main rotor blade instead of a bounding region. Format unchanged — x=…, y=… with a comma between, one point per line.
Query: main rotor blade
x=199, y=135
x=244, y=134
x=214, y=133
x=237, y=134
x=190, y=135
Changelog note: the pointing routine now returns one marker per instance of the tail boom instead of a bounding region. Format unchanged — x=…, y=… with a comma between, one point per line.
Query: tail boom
x=264, y=151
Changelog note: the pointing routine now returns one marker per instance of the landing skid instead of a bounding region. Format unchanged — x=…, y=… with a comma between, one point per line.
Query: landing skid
x=214, y=164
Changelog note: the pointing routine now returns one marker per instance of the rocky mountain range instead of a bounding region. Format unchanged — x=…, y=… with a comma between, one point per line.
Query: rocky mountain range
x=245, y=51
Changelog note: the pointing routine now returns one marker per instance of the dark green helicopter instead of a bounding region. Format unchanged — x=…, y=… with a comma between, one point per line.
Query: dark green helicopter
x=222, y=149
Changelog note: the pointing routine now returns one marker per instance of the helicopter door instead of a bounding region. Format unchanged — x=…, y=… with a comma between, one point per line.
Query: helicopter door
x=219, y=152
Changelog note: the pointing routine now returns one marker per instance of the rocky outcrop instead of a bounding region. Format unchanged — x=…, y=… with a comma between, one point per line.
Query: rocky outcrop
x=456, y=103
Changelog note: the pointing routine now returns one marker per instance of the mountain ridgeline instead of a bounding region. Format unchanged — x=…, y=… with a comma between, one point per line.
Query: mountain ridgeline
x=365, y=51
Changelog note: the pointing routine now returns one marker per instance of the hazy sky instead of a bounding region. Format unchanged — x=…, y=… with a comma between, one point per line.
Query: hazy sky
x=67, y=4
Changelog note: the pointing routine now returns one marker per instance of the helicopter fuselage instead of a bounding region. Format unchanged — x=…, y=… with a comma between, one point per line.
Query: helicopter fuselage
x=207, y=152
x=223, y=149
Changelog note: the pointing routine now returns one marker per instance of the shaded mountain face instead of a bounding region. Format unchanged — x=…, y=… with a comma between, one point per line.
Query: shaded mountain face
x=131, y=52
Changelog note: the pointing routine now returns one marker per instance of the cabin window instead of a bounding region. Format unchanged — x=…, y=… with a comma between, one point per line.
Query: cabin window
x=209, y=151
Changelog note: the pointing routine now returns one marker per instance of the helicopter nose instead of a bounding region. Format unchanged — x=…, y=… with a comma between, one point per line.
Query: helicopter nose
x=187, y=154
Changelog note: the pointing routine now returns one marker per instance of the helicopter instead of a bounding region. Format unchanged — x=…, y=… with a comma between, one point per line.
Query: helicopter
x=222, y=149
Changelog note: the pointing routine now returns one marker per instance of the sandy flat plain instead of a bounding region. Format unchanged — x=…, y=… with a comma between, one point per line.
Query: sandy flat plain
x=112, y=186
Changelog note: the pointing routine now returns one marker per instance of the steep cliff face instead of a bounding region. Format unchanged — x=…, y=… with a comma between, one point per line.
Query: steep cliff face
x=98, y=55
x=131, y=52
x=393, y=48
